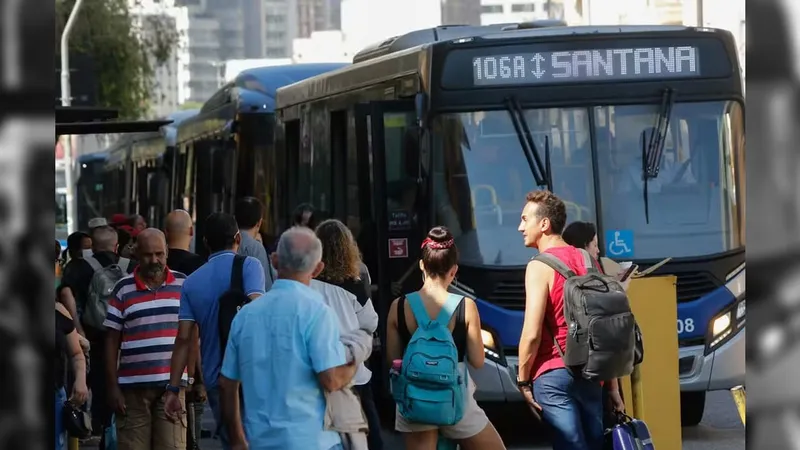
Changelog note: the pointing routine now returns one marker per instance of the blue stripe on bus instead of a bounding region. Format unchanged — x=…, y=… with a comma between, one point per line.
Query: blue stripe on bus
x=702, y=310
x=507, y=324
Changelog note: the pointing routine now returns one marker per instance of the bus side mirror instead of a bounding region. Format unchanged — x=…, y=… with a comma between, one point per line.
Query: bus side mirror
x=421, y=108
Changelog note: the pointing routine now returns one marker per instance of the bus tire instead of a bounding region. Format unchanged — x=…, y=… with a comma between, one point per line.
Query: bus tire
x=693, y=405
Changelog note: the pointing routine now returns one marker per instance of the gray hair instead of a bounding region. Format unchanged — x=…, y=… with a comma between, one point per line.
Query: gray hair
x=104, y=239
x=299, y=250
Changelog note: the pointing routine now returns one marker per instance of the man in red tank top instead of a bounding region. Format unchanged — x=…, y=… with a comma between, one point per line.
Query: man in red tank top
x=571, y=405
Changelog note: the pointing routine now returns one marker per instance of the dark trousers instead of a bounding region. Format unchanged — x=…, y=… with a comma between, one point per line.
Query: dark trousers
x=374, y=440
x=194, y=418
x=96, y=381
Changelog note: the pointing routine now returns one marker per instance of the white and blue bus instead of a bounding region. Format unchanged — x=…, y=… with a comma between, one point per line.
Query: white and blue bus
x=454, y=125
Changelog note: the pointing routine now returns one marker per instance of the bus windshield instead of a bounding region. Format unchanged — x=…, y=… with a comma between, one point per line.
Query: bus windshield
x=481, y=177
x=693, y=206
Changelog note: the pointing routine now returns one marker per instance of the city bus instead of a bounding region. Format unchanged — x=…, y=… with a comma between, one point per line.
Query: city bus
x=223, y=152
x=640, y=129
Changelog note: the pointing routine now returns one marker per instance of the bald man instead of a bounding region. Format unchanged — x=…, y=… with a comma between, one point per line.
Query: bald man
x=179, y=231
x=145, y=305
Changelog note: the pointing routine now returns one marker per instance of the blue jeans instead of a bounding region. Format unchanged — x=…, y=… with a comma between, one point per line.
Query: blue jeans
x=61, y=435
x=573, y=407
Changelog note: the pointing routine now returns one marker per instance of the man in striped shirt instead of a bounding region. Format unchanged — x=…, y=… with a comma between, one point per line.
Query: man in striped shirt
x=142, y=324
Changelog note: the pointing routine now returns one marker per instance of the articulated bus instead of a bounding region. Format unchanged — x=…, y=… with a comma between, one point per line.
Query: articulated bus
x=640, y=129
x=223, y=152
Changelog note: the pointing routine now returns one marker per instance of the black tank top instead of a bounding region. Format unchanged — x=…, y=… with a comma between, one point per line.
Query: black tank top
x=459, y=330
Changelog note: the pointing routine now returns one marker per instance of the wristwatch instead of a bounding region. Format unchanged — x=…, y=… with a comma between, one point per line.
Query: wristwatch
x=191, y=381
x=173, y=389
x=524, y=383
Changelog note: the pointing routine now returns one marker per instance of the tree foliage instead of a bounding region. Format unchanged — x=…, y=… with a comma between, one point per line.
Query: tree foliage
x=125, y=48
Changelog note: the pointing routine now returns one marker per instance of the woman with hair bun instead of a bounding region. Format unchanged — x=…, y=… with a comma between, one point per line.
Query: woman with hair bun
x=439, y=265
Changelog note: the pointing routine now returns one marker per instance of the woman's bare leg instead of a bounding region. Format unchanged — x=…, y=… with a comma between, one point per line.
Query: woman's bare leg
x=421, y=440
x=488, y=439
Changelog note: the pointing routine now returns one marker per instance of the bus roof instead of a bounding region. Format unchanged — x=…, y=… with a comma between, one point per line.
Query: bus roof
x=252, y=91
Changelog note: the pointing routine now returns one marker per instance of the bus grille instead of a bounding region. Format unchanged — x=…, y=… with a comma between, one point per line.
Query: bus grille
x=508, y=295
x=692, y=286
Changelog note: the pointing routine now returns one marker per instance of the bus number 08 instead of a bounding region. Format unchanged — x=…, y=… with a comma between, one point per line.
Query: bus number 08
x=685, y=326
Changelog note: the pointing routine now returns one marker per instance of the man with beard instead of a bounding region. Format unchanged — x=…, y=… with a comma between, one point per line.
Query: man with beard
x=142, y=324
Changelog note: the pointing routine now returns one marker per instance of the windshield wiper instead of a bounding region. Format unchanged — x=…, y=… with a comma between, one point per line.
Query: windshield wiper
x=659, y=136
x=652, y=150
x=538, y=169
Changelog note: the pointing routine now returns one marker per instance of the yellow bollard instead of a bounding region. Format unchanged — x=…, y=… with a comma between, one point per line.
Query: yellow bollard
x=652, y=392
x=74, y=443
x=739, y=398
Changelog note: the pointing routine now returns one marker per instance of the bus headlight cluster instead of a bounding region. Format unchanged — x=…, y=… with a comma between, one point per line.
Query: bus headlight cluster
x=731, y=319
x=490, y=348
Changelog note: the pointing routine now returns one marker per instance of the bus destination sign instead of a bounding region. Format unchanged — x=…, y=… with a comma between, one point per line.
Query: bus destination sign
x=586, y=66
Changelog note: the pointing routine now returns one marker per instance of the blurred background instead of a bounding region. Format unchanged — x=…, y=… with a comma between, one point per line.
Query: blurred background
x=773, y=222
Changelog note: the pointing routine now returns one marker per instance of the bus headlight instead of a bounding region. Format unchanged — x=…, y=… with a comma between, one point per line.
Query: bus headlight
x=488, y=339
x=721, y=324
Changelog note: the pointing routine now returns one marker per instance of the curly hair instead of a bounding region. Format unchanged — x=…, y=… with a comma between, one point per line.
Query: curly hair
x=339, y=252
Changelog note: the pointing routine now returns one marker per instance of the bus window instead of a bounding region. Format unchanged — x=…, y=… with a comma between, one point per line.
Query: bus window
x=401, y=145
x=321, y=165
x=689, y=210
x=304, y=163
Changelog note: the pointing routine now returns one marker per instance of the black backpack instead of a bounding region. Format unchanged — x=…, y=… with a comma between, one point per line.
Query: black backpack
x=602, y=332
x=231, y=301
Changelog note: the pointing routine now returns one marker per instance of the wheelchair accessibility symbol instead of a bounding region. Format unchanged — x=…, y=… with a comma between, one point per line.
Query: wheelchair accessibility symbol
x=619, y=243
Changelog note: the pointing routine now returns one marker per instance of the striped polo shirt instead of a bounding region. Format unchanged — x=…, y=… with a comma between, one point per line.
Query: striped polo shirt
x=148, y=320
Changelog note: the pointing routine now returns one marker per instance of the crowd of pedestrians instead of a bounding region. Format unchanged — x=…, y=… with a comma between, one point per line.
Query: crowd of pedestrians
x=291, y=369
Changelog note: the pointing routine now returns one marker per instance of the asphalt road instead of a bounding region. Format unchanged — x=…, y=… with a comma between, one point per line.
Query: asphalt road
x=720, y=429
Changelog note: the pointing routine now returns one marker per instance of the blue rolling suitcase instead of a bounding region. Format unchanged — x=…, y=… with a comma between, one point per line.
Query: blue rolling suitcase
x=629, y=434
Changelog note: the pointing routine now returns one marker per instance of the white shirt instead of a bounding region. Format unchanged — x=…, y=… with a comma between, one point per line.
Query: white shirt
x=352, y=316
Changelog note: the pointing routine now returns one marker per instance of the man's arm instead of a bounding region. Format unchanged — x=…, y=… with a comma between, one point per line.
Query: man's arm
x=328, y=357
x=115, y=319
x=113, y=339
x=537, y=290
x=184, y=342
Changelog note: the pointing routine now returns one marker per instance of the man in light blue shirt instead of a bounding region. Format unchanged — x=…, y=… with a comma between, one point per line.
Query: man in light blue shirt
x=284, y=349
x=200, y=306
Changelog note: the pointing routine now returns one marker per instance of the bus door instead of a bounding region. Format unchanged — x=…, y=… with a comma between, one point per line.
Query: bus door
x=388, y=159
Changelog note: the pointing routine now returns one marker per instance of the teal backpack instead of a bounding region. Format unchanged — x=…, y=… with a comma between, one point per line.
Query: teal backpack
x=429, y=388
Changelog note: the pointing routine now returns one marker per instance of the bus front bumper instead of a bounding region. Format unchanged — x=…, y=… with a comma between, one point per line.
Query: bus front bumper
x=719, y=370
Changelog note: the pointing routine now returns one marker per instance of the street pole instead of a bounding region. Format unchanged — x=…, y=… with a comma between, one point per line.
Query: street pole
x=66, y=100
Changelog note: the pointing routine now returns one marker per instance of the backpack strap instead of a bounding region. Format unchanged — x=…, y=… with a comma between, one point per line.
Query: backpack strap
x=449, y=307
x=588, y=262
x=418, y=308
x=237, y=273
x=123, y=264
x=96, y=266
x=556, y=264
